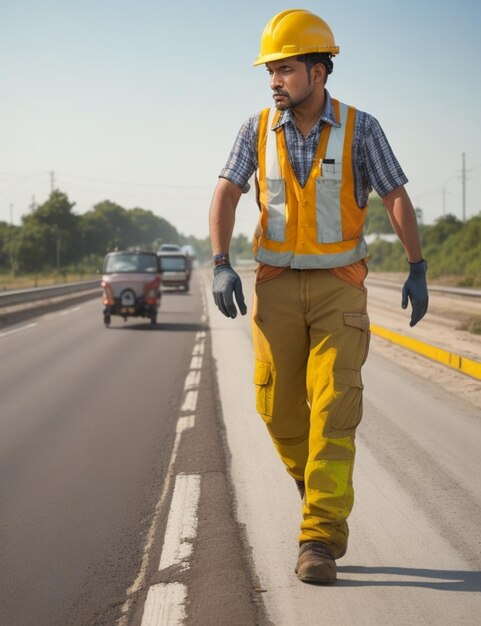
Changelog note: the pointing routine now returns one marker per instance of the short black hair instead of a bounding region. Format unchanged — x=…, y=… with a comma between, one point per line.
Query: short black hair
x=313, y=58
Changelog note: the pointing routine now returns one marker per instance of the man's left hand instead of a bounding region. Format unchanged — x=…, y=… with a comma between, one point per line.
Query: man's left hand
x=415, y=290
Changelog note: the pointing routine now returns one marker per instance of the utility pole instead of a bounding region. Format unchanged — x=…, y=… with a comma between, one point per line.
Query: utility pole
x=12, y=242
x=58, y=251
x=52, y=181
x=463, y=183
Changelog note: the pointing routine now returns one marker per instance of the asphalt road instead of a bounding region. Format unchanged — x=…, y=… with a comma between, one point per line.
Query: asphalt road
x=102, y=431
x=87, y=426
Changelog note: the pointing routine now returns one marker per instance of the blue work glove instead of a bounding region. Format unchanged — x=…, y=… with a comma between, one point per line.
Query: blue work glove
x=226, y=283
x=416, y=291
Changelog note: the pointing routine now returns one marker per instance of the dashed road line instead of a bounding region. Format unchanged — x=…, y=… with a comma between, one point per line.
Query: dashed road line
x=190, y=401
x=17, y=330
x=165, y=603
x=196, y=362
x=182, y=522
x=68, y=311
x=192, y=380
x=183, y=424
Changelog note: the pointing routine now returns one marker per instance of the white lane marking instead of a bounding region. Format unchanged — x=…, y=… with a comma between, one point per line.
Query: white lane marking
x=190, y=401
x=192, y=380
x=196, y=363
x=68, y=311
x=160, y=595
x=198, y=350
x=183, y=424
x=182, y=521
x=165, y=605
x=199, y=343
x=18, y=330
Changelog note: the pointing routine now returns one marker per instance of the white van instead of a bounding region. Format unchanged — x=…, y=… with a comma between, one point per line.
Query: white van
x=176, y=269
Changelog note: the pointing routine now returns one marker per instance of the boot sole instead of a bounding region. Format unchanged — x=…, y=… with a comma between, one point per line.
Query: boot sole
x=315, y=580
x=319, y=580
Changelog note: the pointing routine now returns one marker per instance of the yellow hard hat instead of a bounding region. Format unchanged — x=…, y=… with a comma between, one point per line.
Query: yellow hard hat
x=294, y=32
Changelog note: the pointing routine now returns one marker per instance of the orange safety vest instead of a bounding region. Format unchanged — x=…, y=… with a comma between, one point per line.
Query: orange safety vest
x=319, y=225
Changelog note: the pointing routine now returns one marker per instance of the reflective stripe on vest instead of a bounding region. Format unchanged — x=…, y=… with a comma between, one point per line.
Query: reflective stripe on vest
x=320, y=225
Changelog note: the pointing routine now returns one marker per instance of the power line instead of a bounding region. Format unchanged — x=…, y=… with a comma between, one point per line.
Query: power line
x=23, y=180
x=435, y=189
x=134, y=183
x=53, y=178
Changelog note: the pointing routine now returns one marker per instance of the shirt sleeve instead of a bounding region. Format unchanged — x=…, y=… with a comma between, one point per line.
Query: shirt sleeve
x=380, y=169
x=242, y=161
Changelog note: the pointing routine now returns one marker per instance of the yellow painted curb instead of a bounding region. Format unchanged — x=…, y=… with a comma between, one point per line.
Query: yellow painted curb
x=455, y=361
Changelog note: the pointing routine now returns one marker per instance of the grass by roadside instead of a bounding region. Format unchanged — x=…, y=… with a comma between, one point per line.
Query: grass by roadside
x=472, y=325
x=30, y=281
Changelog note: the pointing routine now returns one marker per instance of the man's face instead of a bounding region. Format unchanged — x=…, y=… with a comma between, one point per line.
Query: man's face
x=291, y=83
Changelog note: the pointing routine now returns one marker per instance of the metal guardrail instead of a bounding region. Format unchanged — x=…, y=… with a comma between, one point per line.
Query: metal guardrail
x=22, y=296
x=453, y=291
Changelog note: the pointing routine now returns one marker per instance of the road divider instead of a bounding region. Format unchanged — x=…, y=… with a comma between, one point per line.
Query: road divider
x=454, y=361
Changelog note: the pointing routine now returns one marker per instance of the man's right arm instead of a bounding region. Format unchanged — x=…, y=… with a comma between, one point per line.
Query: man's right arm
x=226, y=283
x=240, y=166
x=222, y=215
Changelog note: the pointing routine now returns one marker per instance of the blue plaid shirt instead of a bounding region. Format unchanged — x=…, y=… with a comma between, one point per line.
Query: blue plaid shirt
x=374, y=164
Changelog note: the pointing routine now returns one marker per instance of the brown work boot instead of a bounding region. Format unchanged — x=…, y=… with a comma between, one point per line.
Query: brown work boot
x=315, y=564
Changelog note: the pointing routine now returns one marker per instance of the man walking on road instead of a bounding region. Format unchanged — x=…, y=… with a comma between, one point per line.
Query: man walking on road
x=316, y=161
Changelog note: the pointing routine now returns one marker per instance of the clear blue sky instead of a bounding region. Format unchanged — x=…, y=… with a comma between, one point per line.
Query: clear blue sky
x=139, y=103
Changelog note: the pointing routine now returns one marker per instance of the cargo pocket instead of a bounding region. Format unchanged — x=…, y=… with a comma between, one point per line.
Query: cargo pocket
x=346, y=408
x=361, y=321
x=263, y=385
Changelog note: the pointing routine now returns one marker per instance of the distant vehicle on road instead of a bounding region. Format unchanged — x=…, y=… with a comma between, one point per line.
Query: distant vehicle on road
x=169, y=247
x=176, y=268
x=189, y=251
x=131, y=284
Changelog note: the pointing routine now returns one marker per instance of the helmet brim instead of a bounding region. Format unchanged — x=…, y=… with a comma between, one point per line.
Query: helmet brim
x=277, y=56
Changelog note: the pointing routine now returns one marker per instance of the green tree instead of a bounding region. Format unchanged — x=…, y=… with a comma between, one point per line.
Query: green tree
x=458, y=251
x=105, y=228
x=9, y=247
x=241, y=248
x=50, y=235
x=436, y=235
x=151, y=230
x=33, y=252
x=377, y=219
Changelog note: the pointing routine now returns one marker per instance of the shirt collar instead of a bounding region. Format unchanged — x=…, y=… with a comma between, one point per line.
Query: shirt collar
x=328, y=115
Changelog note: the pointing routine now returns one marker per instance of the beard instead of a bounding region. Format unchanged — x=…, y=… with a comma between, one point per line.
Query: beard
x=289, y=102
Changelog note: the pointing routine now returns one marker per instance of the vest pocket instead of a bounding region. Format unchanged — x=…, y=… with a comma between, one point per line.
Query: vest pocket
x=263, y=386
x=276, y=209
x=328, y=210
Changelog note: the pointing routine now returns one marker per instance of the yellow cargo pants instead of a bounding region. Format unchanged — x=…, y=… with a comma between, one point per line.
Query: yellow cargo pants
x=311, y=337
